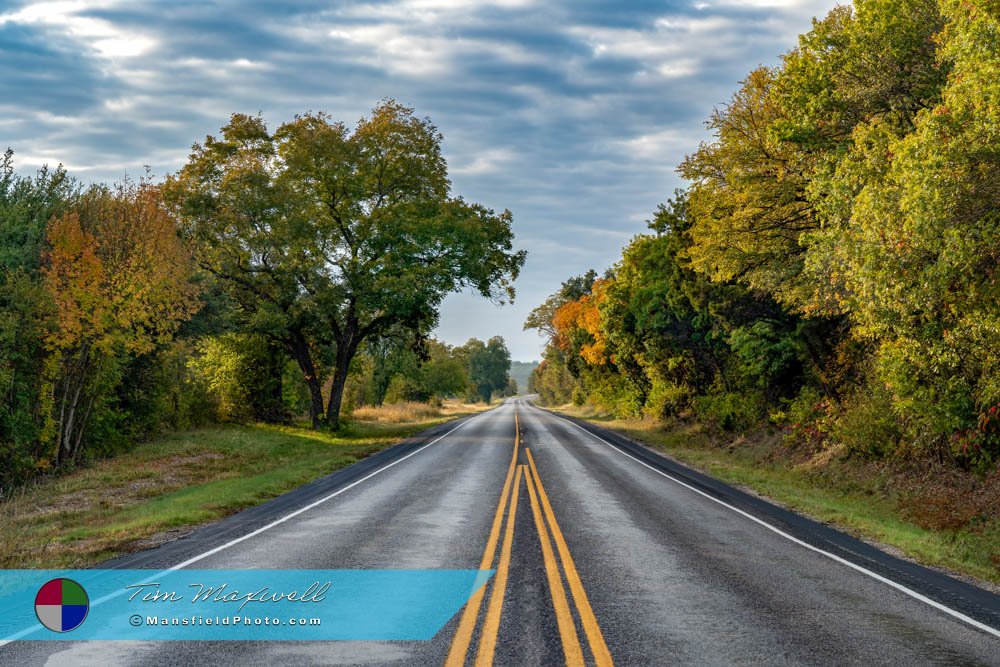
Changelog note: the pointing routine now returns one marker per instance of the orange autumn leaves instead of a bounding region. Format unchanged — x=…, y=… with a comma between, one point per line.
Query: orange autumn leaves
x=120, y=279
x=118, y=273
x=578, y=324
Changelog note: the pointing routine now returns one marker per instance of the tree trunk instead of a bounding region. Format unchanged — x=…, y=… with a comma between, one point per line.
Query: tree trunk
x=299, y=348
x=336, y=398
x=345, y=353
x=315, y=401
x=75, y=377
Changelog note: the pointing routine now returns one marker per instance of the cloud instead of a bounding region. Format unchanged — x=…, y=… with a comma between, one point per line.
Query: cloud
x=571, y=113
x=71, y=19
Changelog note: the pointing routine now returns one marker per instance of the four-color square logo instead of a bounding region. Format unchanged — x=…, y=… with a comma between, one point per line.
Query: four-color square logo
x=61, y=605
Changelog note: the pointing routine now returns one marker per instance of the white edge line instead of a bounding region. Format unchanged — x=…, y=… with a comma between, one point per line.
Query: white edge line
x=314, y=503
x=874, y=575
x=210, y=552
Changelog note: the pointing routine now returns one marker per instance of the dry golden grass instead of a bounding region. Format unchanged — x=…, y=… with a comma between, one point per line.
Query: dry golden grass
x=410, y=411
x=395, y=413
x=455, y=408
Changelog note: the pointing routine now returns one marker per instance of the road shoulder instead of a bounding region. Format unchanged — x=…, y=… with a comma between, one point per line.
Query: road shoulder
x=965, y=594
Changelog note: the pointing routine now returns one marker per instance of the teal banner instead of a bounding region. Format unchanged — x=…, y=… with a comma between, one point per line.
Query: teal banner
x=231, y=605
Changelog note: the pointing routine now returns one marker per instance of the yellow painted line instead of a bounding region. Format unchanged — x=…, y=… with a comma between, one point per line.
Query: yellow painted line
x=463, y=635
x=564, y=617
x=491, y=624
x=598, y=647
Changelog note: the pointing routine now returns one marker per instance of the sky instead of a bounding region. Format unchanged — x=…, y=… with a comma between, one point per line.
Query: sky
x=573, y=114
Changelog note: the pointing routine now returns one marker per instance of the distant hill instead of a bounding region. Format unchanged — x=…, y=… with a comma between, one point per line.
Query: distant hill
x=519, y=371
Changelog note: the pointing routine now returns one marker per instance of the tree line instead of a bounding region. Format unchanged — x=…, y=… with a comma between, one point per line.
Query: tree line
x=832, y=265
x=277, y=274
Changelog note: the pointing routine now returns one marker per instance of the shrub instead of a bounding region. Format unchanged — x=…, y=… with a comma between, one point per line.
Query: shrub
x=730, y=411
x=808, y=419
x=978, y=448
x=868, y=425
x=666, y=399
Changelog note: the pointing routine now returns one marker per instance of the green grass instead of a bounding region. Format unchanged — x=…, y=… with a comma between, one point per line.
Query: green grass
x=877, y=502
x=164, y=488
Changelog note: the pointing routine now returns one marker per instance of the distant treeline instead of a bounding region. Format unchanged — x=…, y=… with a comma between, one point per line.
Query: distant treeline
x=277, y=275
x=520, y=371
x=833, y=264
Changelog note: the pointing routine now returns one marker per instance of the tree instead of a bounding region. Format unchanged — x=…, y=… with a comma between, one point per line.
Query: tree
x=921, y=262
x=442, y=373
x=747, y=197
x=432, y=372
x=554, y=380
x=542, y=316
x=489, y=365
x=26, y=311
x=770, y=196
x=551, y=381
x=120, y=279
x=577, y=326
x=388, y=355
x=327, y=237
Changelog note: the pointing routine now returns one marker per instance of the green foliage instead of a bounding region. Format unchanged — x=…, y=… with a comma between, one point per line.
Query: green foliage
x=838, y=244
x=327, y=237
x=868, y=425
x=243, y=376
x=488, y=367
x=553, y=382
x=618, y=394
x=26, y=205
x=441, y=373
x=27, y=315
x=730, y=411
x=767, y=353
x=665, y=398
x=747, y=197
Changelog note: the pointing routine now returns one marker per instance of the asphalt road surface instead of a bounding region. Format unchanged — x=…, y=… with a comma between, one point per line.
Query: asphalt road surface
x=605, y=552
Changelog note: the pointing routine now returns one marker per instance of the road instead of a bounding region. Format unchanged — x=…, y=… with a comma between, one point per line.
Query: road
x=605, y=553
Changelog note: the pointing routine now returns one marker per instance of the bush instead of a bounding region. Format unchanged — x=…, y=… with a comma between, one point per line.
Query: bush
x=666, y=399
x=978, y=448
x=615, y=393
x=730, y=411
x=404, y=389
x=868, y=425
x=807, y=419
x=243, y=375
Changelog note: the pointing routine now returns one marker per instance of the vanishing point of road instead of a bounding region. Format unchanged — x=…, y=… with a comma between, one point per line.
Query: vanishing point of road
x=605, y=553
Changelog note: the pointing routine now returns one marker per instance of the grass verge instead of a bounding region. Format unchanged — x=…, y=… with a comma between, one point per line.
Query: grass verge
x=932, y=514
x=163, y=489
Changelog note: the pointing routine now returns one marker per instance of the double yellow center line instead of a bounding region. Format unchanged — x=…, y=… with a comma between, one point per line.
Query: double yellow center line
x=466, y=626
x=542, y=512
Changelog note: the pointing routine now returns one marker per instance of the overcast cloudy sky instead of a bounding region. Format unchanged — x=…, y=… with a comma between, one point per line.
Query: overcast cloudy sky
x=571, y=113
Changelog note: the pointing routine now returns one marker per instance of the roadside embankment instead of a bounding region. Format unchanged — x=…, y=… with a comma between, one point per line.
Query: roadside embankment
x=165, y=488
x=931, y=513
